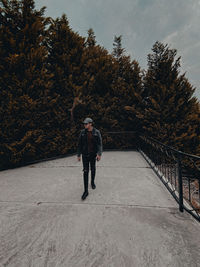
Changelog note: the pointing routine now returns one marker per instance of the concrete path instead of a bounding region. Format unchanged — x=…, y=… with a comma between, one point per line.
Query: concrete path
x=129, y=220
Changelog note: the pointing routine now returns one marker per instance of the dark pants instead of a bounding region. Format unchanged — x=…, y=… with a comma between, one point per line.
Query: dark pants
x=89, y=161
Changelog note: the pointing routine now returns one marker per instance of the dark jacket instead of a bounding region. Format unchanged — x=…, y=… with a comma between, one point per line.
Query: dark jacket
x=83, y=142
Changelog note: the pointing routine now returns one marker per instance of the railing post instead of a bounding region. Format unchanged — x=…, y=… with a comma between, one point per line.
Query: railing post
x=180, y=183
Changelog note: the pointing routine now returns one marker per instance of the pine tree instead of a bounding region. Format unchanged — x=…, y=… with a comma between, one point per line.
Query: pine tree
x=24, y=79
x=170, y=110
x=97, y=78
x=91, y=39
x=118, y=50
x=65, y=62
x=66, y=49
x=126, y=87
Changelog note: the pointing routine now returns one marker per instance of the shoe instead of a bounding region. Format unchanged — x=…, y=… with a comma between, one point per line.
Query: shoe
x=85, y=194
x=93, y=185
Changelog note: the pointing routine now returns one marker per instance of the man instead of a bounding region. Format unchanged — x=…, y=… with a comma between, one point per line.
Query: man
x=90, y=146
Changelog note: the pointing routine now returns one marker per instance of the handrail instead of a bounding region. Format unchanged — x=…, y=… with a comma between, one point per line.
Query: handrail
x=177, y=170
x=175, y=150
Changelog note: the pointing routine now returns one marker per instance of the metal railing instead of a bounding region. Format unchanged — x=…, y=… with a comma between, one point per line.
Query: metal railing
x=179, y=171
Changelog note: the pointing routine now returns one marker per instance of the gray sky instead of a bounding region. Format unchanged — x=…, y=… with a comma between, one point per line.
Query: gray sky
x=141, y=23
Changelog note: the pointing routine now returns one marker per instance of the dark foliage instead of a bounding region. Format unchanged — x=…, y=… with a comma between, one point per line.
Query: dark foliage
x=51, y=78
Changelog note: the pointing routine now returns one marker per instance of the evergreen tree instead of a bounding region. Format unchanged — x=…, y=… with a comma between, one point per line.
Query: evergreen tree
x=91, y=39
x=118, y=50
x=97, y=78
x=65, y=62
x=126, y=87
x=170, y=111
x=24, y=80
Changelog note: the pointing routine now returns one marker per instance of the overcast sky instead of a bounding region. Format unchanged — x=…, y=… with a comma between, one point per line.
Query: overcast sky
x=141, y=23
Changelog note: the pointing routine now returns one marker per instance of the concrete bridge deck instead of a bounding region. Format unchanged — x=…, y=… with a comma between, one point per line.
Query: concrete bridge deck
x=129, y=220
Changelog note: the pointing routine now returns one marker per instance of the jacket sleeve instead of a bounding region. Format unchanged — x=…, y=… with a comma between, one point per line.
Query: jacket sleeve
x=100, y=145
x=79, y=148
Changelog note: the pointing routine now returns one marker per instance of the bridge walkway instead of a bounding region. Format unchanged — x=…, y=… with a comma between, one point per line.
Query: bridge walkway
x=130, y=219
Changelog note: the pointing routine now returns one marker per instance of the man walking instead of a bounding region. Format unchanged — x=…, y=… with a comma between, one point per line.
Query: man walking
x=90, y=146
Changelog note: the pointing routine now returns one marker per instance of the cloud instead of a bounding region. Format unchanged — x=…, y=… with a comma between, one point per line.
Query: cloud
x=187, y=42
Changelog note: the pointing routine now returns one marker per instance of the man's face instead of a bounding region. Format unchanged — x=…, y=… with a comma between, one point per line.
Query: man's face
x=87, y=125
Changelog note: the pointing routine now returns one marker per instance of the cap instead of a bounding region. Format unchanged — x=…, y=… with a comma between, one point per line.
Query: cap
x=88, y=120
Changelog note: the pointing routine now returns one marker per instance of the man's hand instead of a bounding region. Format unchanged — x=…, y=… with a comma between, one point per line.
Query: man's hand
x=79, y=158
x=98, y=157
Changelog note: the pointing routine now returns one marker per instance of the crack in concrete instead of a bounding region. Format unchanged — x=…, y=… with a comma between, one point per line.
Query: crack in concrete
x=85, y=203
x=116, y=167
